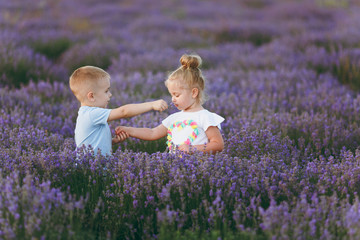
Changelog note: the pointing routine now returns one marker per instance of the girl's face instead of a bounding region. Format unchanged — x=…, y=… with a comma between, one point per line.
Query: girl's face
x=183, y=98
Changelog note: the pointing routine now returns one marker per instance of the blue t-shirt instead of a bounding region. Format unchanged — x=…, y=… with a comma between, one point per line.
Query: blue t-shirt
x=92, y=129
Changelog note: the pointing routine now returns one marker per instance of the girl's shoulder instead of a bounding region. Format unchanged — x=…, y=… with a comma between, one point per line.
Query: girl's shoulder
x=207, y=113
x=207, y=119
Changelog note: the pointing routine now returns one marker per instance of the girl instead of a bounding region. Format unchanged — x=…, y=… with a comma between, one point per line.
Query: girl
x=193, y=127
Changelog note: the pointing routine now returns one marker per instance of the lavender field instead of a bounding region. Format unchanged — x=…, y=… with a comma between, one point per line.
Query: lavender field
x=284, y=74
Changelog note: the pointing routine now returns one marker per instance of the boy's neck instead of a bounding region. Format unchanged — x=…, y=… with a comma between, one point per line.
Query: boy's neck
x=85, y=104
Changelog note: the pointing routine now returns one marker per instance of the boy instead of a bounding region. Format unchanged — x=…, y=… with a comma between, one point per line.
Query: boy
x=91, y=86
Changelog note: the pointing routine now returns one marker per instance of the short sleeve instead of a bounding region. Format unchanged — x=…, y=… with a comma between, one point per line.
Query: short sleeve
x=169, y=120
x=211, y=119
x=99, y=115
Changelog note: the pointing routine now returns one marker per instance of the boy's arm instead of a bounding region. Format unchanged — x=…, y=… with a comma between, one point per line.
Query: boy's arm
x=215, y=144
x=131, y=110
x=144, y=133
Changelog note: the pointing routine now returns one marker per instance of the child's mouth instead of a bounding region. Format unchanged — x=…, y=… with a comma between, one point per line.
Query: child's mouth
x=172, y=105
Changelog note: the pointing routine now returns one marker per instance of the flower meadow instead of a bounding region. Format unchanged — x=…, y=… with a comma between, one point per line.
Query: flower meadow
x=284, y=74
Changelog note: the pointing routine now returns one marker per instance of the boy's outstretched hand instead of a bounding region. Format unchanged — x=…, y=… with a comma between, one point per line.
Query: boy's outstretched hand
x=119, y=137
x=159, y=105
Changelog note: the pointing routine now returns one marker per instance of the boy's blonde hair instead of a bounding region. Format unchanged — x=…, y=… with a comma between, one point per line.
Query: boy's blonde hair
x=190, y=75
x=85, y=79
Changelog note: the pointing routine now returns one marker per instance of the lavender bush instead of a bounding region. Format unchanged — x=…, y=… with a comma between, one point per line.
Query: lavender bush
x=284, y=75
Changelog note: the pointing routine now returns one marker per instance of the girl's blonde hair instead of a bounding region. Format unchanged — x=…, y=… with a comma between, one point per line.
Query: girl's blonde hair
x=190, y=75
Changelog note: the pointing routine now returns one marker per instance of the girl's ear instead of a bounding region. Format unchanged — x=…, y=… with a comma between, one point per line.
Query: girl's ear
x=90, y=96
x=195, y=92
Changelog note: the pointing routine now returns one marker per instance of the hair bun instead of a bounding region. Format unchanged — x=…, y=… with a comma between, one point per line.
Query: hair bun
x=190, y=61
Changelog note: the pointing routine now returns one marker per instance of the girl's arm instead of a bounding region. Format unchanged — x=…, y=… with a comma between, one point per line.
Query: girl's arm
x=215, y=144
x=144, y=133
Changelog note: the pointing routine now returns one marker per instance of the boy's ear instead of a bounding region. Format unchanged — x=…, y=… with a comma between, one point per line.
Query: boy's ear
x=195, y=92
x=90, y=96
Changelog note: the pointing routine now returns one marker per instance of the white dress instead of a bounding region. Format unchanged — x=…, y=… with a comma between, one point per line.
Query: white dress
x=190, y=127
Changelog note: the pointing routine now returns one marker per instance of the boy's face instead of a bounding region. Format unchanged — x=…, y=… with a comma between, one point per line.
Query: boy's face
x=101, y=93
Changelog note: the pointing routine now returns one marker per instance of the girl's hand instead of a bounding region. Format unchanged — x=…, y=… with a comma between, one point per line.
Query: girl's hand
x=121, y=129
x=184, y=148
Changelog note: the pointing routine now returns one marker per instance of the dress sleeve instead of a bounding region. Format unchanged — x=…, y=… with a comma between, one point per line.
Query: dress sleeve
x=168, y=121
x=212, y=119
